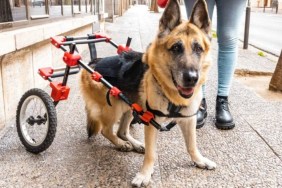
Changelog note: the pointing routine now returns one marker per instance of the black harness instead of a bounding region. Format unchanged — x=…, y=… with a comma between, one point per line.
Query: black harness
x=173, y=113
x=171, y=108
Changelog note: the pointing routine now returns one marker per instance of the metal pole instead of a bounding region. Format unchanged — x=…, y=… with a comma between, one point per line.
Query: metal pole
x=247, y=26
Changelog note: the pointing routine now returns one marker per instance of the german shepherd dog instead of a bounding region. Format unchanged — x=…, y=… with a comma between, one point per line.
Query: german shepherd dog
x=172, y=70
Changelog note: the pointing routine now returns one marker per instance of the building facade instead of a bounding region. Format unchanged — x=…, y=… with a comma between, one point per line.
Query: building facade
x=266, y=3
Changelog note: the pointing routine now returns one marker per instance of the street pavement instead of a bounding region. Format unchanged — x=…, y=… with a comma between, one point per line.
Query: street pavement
x=265, y=30
x=250, y=155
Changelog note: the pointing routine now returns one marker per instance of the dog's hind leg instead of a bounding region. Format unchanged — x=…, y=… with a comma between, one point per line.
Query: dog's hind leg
x=123, y=132
x=108, y=132
x=188, y=128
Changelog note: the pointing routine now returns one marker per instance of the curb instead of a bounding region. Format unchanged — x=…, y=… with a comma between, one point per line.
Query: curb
x=246, y=72
x=271, y=53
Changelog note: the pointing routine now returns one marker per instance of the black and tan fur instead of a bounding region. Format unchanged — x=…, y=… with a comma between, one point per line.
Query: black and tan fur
x=178, y=62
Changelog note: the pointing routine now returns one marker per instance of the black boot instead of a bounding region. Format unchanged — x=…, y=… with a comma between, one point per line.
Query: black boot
x=202, y=114
x=224, y=119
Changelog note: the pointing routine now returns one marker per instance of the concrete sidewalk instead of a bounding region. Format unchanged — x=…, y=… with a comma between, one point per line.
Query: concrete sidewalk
x=250, y=155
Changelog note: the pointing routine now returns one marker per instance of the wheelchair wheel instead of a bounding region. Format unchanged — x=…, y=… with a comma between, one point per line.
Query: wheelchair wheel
x=36, y=120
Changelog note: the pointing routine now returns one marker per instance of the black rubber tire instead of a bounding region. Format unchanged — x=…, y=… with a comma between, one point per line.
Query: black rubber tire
x=52, y=117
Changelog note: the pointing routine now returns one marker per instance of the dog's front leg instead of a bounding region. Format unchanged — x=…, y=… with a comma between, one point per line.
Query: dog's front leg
x=143, y=177
x=188, y=128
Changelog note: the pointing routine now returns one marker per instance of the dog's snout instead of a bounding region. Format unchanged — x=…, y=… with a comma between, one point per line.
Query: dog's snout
x=190, y=78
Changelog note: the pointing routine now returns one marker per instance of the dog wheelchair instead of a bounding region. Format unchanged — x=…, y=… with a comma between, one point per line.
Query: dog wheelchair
x=36, y=118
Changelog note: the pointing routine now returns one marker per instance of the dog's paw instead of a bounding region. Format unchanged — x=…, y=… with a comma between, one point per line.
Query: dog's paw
x=205, y=163
x=126, y=146
x=139, y=148
x=141, y=180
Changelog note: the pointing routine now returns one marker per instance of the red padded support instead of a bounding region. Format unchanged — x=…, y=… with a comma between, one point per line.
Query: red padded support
x=58, y=40
x=46, y=72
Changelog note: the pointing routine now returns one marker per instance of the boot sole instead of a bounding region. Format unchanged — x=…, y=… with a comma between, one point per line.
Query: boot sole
x=225, y=126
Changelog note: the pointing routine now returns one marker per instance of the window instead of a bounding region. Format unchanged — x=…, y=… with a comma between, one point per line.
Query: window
x=14, y=10
x=96, y=6
x=83, y=6
x=37, y=8
x=89, y=6
x=55, y=8
x=67, y=10
x=76, y=7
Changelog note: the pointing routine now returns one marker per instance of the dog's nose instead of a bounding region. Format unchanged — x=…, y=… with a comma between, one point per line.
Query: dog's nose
x=190, y=78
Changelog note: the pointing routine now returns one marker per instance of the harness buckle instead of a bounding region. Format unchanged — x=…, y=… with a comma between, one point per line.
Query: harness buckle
x=140, y=116
x=146, y=117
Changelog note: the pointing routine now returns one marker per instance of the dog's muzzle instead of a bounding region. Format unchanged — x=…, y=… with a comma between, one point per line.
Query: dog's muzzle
x=190, y=79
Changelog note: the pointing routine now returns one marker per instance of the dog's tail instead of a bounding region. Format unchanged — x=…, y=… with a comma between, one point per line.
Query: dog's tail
x=93, y=126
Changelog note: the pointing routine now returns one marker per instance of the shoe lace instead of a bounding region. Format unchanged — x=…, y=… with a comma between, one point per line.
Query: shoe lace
x=224, y=104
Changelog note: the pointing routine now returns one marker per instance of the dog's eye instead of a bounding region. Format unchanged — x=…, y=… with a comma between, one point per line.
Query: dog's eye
x=177, y=47
x=197, y=48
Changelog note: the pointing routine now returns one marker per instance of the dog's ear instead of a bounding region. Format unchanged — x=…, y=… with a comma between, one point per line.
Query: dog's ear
x=200, y=16
x=170, y=18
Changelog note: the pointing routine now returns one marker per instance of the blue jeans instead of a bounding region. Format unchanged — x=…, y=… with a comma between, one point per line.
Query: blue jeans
x=229, y=14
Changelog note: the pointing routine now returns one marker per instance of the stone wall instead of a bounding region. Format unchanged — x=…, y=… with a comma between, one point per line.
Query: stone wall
x=2, y=107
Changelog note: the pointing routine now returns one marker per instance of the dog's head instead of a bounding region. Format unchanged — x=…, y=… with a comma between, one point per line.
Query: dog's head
x=178, y=56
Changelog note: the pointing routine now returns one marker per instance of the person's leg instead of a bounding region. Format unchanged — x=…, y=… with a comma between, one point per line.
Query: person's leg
x=229, y=14
x=202, y=113
x=190, y=3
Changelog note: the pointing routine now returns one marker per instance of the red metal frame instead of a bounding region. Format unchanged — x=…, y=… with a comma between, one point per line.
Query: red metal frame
x=102, y=36
x=60, y=91
x=122, y=48
x=114, y=91
x=71, y=59
x=96, y=76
